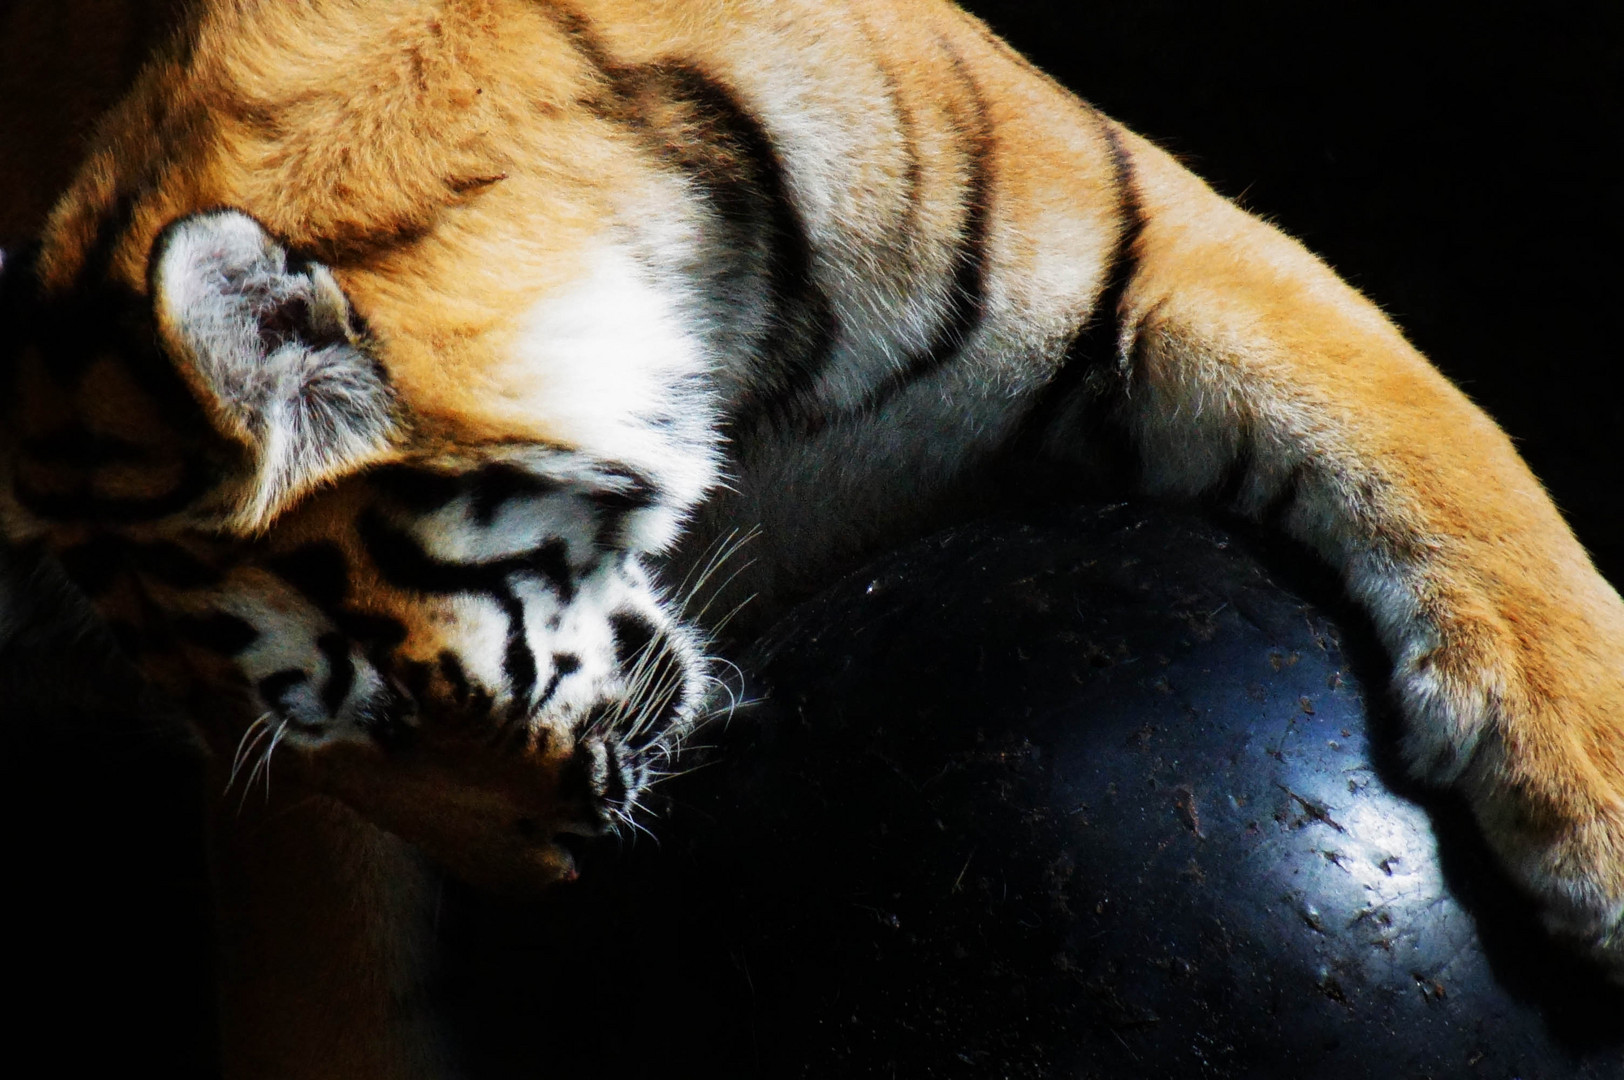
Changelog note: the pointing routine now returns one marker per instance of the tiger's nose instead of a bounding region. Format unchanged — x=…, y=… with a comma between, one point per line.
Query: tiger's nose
x=389, y=715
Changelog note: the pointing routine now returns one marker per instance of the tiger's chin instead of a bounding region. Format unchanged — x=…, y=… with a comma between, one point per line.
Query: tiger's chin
x=509, y=823
x=505, y=805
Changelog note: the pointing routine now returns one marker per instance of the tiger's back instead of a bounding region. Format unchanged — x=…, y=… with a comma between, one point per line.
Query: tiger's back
x=828, y=228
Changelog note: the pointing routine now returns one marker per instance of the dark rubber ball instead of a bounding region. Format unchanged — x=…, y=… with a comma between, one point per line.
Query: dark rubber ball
x=1090, y=794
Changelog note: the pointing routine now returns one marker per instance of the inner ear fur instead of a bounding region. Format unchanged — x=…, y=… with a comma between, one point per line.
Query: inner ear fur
x=270, y=346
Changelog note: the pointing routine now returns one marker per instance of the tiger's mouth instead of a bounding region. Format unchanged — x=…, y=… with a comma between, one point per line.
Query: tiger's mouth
x=508, y=807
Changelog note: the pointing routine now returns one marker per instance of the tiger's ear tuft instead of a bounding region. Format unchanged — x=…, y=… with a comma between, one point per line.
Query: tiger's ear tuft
x=271, y=347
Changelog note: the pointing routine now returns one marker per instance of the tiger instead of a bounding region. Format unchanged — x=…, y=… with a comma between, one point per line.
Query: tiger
x=389, y=366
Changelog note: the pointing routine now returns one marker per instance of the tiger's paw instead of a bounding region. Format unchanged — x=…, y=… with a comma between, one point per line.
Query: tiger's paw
x=1567, y=851
x=1540, y=760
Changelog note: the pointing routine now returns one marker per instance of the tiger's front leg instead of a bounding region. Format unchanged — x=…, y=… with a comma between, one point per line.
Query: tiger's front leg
x=324, y=925
x=1247, y=373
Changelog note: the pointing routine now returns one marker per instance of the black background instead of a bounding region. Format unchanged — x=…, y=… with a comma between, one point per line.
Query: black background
x=1460, y=166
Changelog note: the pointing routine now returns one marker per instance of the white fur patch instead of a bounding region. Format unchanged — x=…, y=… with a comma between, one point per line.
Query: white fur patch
x=615, y=366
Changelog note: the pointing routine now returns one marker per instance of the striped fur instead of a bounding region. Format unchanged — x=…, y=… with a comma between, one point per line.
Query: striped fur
x=385, y=357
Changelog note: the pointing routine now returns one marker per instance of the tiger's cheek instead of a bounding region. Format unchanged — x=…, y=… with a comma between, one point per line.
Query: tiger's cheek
x=457, y=658
x=524, y=656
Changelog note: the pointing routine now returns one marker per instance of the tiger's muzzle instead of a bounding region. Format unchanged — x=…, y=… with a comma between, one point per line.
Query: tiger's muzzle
x=478, y=668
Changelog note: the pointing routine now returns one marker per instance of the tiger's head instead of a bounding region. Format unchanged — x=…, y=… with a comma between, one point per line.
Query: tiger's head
x=458, y=637
x=361, y=454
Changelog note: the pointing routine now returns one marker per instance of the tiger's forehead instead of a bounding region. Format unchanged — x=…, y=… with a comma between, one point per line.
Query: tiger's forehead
x=347, y=129
x=362, y=135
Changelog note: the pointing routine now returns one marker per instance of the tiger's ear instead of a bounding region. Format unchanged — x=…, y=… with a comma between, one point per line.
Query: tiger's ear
x=271, y=348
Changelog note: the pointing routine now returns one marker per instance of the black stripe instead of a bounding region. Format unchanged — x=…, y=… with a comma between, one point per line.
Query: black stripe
x=902, y=118
x=614, y=507
x=94, y=564
x=494, y=486
x=416, y=676
x=218, y=631
x=1089, y=380
x=488, y=488
x=564, y=665
x=404, y=564
x=79, y=326
x=518, y=661
x=356, y=244
x=726, y=150
x=631, y=634
x=451, y=670
x=582, y=37
x=422, y=491
x=319, y=571
x=97, y=266
x=78, y=447
x=337, y=651
x=614, y=785
x=700, y=125
x=967, y=292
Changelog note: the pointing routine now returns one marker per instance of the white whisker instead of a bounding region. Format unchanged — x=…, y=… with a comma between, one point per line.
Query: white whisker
x=263, y=763
x=725, y=549
x=276, y=741
x=714, y=552
x=246, y=745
